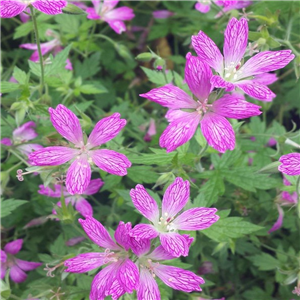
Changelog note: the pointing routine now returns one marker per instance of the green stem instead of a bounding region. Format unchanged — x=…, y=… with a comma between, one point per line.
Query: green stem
x=288, y=44
x=19, y=157
x=298, y=194
x=63, y=202
x=39, y=48
x=105, y=37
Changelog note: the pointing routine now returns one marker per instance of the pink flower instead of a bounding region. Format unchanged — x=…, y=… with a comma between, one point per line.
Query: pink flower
x=105, y=11
x=75, y=241
x=290, y=164
x=11, y=8
x=185, y=114
x=150, y=266
x=79, y=172
x=21, y=136
x=166, y=224
x=151, y=131
x=53, y=46
x=162, y=14
x=16, y=266
x=205, y=268
x=36, y=222
x=121, y=274
x=231, y=72
x=81, y=204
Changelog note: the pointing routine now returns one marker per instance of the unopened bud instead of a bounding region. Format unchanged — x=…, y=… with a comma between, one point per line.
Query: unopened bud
x=144, y=57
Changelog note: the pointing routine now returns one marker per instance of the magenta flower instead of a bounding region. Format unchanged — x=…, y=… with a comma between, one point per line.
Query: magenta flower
x=11, y=8
x=120, y=276
x=21, y=136
x=166, y=224
x=53, y=46
x=16, y=266
x=290, y=164
x=81, y=204
x=231, y=72
x=185, y=114
x=162, y=14
x=115, y=18
x=79, y=172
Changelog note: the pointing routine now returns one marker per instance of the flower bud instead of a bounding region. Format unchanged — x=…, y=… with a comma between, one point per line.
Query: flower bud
x=144, y=57
x=73, y=10
x=164, y=178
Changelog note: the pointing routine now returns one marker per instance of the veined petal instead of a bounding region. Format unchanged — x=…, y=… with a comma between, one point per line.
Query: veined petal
x=128, y=275
x=105, y=130
x=122, y=236
x=178, y=279
x=13, y=247
x=233, y=106
x=26, y=149
x=279, y=221
x=170, y=96
x=148, y=288
x=174, y=243
x=92, y=13
x=67, y=124
x=176, y=114
x=256, y=90
x=117, y=26
x=197, y=75
x=16, y=274
x=218, y=82
x=56, y=193
x=265, y=78
x=84, y=207
x=179, y=131
x=78, y=176
x=144, y=231
x=121, y=13
x=3, y=256
x=290, y=164
x=97, y=233
x=111, y=161
x=25, y=132
x=27, y=265
x=85, y=262
x=52, y=156
x=208, y=51
x=50, y=7
x=175, y=198
x=160, y=253
x=116, y=289
x=266, y=61
x=140, y=247
x=144, y=203
x=11, y=8
x=107, y=4
x=94, y=186
x=235, y=42
x=197, y=218
x=218, y=132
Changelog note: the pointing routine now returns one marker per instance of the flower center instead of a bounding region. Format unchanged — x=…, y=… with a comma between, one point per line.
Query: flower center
x=232, y=72
x=165, y=223
x=203, y=107
x=27, y=1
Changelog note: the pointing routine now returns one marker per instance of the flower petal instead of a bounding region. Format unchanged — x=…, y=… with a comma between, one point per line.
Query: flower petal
x=11, y=8
x=144, y=231
x=144, y=203
x=290, y=164
x=107, y=4
x=117, y=26
x=160, y=253
x=208, y=51
x=50, y=7
x=179, y=131
x=140, y=247
x=197, y=75
x=67, y=124
x=47, y=191
x=111, y=161
x=27, y=265
x=85, y=262
x=204, y=8
x=218, y=132
x=13, y=247
x=16, y=274
x=6, y=142
x=122, y=235
x=105, y=130
x=279, y=221
x=197, y=218
x=26, y=149
x=175, y=198
x=78, y=176
x=233, y=106
x=148, y=288
x=52, y=156
x=25, y=132
x=92, y=14
x=3, y=271
x=266, y=61
x=121, y=14
x=178, y=279
x=218, y=82
x=128, y=275
x=3, y=256
x=170, y=96
x=174, y=243
x=265, y=78
x=97, y=233
x=235, y=42
x=84, y=207
x=94, y=186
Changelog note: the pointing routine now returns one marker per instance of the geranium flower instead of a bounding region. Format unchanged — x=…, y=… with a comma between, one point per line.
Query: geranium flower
x=11, y=8
x=162, y=14
x=81, y=204
x=105, y=11
x=121, y=274
x=21, y=136
x=186, y=114
x=16, y=266
x=290, y=164
x=167, y=223
x=232, y=73
x=53, y=46
x=79, y=173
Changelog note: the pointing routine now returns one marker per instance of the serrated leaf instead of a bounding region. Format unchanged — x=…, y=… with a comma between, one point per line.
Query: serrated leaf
x=142, y=174
x=158, y=77
x=20, y=75
x=8, y=206
x=264, y=262
x=7, y=87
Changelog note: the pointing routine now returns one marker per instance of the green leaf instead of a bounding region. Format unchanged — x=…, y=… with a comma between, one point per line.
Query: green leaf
x=8, y=206
x=20, y=75
x=34, y=68
x=142, y=174
x=264, y=262
x=23, y=30
x=89, y=67
x=158, y=77
x=7, y=87
x=90, y=89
